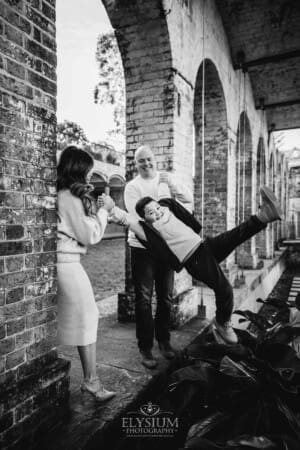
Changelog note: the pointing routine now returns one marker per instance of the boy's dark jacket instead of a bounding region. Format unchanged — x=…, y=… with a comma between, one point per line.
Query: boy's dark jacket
x=156, y=244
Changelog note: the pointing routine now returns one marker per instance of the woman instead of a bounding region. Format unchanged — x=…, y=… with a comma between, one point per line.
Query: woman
x=79, y=225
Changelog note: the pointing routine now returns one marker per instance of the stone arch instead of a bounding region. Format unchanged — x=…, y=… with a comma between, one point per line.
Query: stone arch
x=260, y=181
x=143, y=39
x=100, y=181
x=244, y=184
x=214, y=178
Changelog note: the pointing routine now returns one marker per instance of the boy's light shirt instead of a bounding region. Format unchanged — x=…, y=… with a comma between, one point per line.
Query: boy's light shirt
x=180, y=238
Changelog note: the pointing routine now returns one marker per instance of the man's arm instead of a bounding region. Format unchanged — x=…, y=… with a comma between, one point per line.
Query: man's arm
x=131, y=197
x=179, y=191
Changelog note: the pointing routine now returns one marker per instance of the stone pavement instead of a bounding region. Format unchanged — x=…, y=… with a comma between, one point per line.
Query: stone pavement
x=89, y=425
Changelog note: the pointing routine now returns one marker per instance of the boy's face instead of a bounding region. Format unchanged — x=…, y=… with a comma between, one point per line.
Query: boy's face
x=153, y=211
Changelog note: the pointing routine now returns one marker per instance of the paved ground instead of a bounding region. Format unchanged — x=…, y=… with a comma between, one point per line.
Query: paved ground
x=120, y=369
x=105, y=265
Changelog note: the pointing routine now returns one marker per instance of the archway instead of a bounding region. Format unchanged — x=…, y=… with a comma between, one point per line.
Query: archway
x=260, y=181
x=214, y=177
x=244, y=256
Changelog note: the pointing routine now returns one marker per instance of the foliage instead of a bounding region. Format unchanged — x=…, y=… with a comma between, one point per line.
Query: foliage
x=110, y=88
x=243, y=396
x=70, y=133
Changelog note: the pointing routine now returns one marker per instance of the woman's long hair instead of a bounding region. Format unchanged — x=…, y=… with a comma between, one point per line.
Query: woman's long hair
x=73, y=167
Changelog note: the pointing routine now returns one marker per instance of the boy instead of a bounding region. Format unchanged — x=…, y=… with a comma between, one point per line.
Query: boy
x=171, y=233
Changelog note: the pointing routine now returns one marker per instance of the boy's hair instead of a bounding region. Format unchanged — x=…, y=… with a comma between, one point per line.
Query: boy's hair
x=141, y=204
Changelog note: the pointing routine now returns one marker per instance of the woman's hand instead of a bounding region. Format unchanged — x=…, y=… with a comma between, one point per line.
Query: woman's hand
x=106, y=202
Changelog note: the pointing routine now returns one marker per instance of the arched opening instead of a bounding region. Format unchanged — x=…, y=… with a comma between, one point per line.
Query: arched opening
x=260, y=181
x=213, y=179
x=143, y=40
x=244, y=185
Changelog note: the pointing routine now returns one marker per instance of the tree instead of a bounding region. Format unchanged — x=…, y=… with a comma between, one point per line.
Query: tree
x=70, y=133
x=111, y=86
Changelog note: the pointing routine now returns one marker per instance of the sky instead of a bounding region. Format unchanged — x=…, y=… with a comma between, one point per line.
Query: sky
x=79, y=23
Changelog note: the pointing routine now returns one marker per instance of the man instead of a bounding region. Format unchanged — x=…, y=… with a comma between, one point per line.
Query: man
x=146, y=270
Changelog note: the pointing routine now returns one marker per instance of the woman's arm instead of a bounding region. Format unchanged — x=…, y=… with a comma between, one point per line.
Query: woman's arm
x=122, y=217
x=86, y=229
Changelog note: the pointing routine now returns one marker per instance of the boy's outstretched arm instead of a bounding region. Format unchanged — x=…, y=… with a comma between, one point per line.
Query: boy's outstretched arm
x=121, y=217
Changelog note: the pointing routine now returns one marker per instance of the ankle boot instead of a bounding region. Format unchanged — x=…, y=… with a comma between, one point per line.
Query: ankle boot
x=270, y=209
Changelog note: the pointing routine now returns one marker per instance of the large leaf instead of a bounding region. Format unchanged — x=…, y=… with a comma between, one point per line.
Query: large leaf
x=257, y=319
x=282, y=334
x=201, y=373
x=246, y=441
x=236, y=370
x=215, y=352
x=279, y=356
x=241, y=442
x=202, y=427
x=293, y=420
x=277, y=302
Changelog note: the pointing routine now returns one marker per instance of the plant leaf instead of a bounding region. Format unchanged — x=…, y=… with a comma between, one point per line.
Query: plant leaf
x=257, y=319
x=202, y=427
x=236, y=370
x=251, y=441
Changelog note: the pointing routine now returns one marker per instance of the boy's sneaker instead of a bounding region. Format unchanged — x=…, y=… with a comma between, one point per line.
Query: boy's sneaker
x=148, y=359
x=166, y=349
x=270, y=209
x=225, y=332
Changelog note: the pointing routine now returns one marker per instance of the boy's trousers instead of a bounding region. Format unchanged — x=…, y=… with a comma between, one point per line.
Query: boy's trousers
x=203, y=264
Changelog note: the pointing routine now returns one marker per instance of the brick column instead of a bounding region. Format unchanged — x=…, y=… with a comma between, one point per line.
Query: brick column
x=33, y=381
x=246, y=256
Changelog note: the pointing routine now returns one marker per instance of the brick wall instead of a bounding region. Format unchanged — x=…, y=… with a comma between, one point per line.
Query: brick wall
x=32, y=380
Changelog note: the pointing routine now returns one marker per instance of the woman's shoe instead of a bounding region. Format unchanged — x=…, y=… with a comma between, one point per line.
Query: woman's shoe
x=96, y=389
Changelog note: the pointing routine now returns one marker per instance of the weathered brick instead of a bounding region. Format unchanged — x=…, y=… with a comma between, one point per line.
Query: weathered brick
x=48, y=11
x=37, y=34
x=14, y=231
x=13, y=35
x=39, y=348
x=40, y=318
x=49, y=42
x=15, y=359
x=15, y=295
x=42, y=83
x=15, y=247
x=19, y=278
x=15, y=69
x=25, y=409
x=6, y=421
x=2, y=368
x=15, y=326
x=7, y=345
x=14, y=263
x=24, y=339
x=1, y=265
x=40, y=21
x=2, y=331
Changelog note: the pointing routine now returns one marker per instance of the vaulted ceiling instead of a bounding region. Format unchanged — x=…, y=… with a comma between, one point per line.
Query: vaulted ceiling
x=264, y=39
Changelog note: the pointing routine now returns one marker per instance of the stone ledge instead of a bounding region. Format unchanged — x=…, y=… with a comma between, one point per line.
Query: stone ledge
x=258, y=283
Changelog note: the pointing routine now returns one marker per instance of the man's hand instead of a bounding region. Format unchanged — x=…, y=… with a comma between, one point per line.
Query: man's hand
x=105, y=202
x=164, y=177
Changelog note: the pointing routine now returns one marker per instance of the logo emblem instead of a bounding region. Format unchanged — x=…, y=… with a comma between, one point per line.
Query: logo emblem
x=149, y=409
